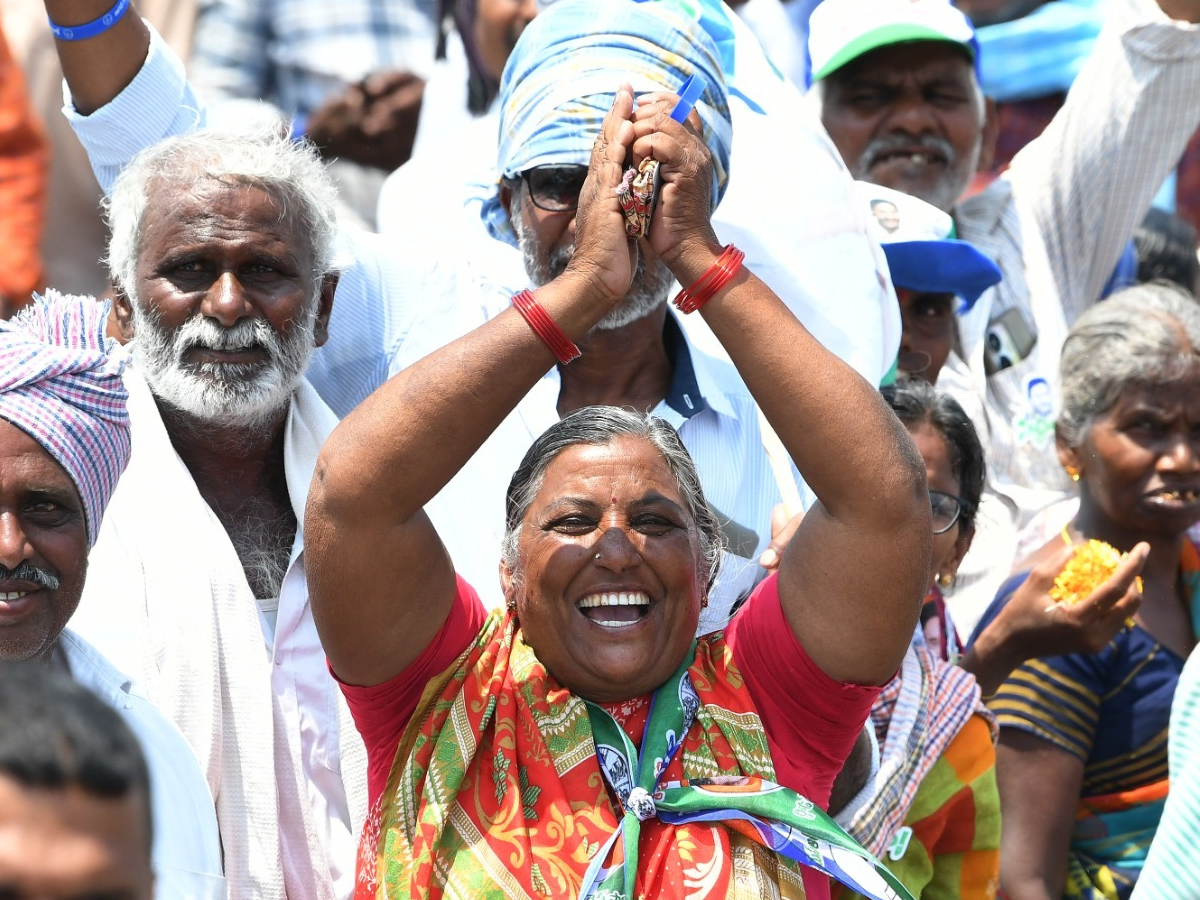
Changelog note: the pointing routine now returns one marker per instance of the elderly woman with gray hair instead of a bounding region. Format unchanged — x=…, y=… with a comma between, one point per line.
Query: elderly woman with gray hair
x=582, y=742
x=1082, y=761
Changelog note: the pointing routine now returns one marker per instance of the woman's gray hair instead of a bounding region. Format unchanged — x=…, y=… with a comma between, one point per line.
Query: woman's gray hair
x=292, y=172
x=598, y=426
x=1139, y=337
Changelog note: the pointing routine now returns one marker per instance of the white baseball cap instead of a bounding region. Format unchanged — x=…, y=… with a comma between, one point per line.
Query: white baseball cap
x=922, y=251
x=843, y=30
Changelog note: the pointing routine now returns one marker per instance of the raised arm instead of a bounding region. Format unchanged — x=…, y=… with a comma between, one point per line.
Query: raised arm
x=128, y=88
x=853, y=578
x=380, y=582
x=1090, y=177
x=99, y=68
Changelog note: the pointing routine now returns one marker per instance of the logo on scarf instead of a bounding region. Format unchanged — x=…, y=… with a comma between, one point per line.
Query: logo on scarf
x=898, y=845
x=616, y=769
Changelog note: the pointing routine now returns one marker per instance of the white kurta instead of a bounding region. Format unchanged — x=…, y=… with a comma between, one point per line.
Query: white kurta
x=167, y=599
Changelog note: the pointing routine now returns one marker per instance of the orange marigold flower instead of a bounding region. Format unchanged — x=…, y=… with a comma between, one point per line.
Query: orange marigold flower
x=1092, y=565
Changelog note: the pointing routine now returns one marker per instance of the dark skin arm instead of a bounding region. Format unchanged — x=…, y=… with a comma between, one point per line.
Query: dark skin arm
x=101, y=67
x=836, y=427
x=1032, y=624
x=1039, y=791
x=373, y=123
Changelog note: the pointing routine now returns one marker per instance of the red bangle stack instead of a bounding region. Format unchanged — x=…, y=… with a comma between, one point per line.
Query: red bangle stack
x=546, y=328
x=706, y=286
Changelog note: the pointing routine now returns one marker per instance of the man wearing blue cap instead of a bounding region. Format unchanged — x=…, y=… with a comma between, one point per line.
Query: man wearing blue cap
x=899, y=94
x=935, y=274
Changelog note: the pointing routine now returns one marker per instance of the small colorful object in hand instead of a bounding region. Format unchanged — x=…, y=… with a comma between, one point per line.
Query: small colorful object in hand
x=636, y=195
x=1092, y=565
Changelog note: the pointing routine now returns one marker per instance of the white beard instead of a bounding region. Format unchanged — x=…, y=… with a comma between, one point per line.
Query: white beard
x=647, y=292
x=239, y=395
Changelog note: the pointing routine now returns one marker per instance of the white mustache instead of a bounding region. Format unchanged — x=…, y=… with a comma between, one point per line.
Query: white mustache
x=893, y=143
x=247, y=334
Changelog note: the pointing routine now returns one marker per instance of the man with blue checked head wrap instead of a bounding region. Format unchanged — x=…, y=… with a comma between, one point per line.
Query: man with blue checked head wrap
x=789, y=201
x=555, y=91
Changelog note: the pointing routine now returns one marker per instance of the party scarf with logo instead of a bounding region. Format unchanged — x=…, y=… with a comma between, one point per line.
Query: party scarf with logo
x=496, y=792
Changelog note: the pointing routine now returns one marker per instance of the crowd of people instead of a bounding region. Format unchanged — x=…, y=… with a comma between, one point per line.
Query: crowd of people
x=601, y=449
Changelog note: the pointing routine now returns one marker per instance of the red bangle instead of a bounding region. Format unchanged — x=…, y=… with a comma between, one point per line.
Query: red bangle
x=718, y=275
x=546, y=328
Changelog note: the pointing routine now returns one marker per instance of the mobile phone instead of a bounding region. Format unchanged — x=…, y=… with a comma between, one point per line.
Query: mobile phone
x=1008, y=340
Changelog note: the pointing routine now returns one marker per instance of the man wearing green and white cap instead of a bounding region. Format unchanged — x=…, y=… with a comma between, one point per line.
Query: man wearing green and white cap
x=899, y=94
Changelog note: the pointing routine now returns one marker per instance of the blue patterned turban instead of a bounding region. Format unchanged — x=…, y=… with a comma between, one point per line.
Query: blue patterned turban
x=561, y=79
x=60, y=385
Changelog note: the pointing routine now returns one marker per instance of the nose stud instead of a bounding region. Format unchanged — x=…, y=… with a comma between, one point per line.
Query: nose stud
x=597, y=556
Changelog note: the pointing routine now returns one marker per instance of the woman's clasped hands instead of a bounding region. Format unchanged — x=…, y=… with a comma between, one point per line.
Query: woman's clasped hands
x=636, y=129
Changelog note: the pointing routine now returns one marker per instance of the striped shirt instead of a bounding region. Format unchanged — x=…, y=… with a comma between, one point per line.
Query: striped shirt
x=1057, y=222
x=1109, y=709
x=296, y=54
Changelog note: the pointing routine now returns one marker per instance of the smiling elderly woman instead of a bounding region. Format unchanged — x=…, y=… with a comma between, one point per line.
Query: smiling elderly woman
x=565, y=747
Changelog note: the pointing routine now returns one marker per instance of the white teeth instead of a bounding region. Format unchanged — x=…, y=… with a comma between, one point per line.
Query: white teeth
x=631, y=599
x=13, y=595
x=615, y=624
x=919, y=159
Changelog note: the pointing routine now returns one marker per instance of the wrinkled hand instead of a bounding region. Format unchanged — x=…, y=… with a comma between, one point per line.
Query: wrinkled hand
x=604, y=256
x=783, y=530
x=682, y=220
x=1036, y=625
x=373, y=123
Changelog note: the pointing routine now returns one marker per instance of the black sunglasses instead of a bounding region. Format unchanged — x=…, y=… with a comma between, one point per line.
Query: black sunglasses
x=555, y=188
x=946, y=510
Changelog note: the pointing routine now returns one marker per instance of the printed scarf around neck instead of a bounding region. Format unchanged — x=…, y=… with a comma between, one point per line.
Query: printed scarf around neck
x=496, y=791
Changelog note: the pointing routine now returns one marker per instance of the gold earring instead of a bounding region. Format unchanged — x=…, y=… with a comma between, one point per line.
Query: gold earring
x=511, y=604
x=704, y=602
x=945, y=579
x=1072, y=473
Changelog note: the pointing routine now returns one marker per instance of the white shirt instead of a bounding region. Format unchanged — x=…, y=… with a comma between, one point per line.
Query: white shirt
x=186, y=850
x=167, y=599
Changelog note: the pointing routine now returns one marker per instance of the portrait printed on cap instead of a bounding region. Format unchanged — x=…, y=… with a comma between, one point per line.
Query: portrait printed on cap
x=887, y=214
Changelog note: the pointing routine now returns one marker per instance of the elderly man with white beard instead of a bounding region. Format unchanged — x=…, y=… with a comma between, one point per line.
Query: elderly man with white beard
x=221, y=257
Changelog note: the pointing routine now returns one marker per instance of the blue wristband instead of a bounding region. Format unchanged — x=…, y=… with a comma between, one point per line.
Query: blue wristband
x=689, y=93
x=92, y=28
